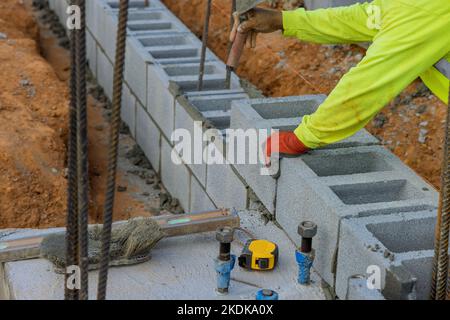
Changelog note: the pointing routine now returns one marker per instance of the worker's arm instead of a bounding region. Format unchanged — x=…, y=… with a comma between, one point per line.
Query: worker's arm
x=333, y=25
x=410, y=42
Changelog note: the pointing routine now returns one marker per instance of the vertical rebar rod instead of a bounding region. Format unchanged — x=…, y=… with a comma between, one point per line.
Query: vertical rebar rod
x=204, y=44
x=439, y=284
x=113, y=149
x=72, y=258
x=82, y=152
x=230, y=45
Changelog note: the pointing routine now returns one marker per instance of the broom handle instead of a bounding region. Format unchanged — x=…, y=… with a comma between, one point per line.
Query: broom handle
x=172, y=225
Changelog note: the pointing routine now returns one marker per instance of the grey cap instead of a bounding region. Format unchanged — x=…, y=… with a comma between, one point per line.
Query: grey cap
x=307, y=229
x=225, y=235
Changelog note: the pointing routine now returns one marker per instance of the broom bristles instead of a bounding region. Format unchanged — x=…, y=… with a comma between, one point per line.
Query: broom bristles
x=129, y=240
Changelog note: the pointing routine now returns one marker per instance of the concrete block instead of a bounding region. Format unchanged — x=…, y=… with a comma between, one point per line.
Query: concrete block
x=105, y=73
x=95, y=18
x=148, y=137
x=136, y=4
x=91, y=51
x=282, y=114
x=358, y=290
x=192, y=113
x=148, y=22
x=161, y=100
x=172, y=46
x=107, y=33
x=191, y=122
x=329, y=185
x=136, y=61
x=444, y=67
x=400, y=245
x=316, y=4
x=286, y=114
x=175, y=177
x=200, y=200
x=223, y=184
x=128, y=110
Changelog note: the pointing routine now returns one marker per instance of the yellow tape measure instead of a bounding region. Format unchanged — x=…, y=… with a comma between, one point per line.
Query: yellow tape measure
x=259, y=255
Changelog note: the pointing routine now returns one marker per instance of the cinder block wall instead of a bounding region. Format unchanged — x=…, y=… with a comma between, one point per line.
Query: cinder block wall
x=343, y=188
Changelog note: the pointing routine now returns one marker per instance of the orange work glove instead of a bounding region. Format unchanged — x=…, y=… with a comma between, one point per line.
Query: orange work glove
x=285, y=144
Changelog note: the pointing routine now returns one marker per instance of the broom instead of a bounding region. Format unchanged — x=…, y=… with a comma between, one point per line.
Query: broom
x=131, y=241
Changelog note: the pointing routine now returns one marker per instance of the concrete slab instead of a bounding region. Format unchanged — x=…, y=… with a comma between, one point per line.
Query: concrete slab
x=180, y=268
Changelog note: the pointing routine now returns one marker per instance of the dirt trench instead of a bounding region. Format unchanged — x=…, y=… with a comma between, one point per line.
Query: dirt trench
x=34, y=97
x=411, y=126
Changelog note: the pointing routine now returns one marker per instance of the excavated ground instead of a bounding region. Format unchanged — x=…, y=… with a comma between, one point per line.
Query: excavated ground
x=34, y=69
x=411, y=125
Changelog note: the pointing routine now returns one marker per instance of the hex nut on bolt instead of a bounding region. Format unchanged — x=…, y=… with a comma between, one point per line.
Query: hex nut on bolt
x=307, y=229
x=225, y=235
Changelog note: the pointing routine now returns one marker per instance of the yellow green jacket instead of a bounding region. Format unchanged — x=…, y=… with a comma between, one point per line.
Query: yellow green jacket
x=408, y=38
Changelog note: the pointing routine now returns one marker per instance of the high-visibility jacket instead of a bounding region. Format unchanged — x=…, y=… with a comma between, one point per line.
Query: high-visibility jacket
x=408, y=38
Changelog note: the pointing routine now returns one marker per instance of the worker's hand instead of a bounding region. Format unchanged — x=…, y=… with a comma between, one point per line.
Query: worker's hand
x=258, y=21
x=284, y=144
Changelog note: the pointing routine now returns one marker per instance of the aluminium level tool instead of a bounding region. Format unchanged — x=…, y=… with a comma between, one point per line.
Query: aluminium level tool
x=305, y=254
x=171, y=225
x=242, y=6
x=260, y=255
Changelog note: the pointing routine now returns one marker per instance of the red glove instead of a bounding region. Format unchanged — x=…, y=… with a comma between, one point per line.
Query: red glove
x=286, y=144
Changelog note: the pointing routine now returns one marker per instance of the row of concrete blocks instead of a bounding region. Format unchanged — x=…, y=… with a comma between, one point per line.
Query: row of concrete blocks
x=161, y=53
x=333, y=187
x=346, y=188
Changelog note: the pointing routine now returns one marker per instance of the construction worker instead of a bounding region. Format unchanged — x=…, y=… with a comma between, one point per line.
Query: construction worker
x=408, y=38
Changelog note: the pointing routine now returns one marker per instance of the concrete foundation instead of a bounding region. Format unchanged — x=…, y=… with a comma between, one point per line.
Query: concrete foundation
x=180, y=268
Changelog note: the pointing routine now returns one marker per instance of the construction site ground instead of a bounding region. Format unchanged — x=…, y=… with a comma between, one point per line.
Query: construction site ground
x=34, y=100
x=34, y=70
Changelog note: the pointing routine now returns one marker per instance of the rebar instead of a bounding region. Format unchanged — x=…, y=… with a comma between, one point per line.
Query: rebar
x=82, y=151
x=72, y=190
x=439, y=284
x=230, y=45
x=204, y=44
x=113, y=148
